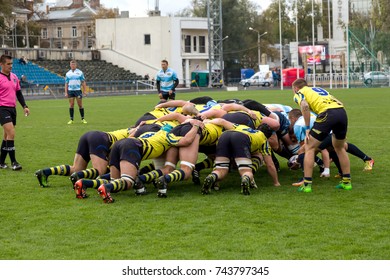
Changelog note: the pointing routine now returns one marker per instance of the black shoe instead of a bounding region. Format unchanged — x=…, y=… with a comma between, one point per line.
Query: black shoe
x=245, y=185
x=42, y=178
x=139, y=187
x=3, y=166
x=208, y=183
x=16, y=166
x=162, y=187
x=195, y=177
x=74, y=178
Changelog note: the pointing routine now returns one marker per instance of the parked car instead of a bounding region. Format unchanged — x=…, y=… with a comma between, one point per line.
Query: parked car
x=376, y=78
x=258, y=79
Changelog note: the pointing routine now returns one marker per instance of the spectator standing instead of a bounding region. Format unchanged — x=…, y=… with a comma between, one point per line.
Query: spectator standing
x=9, y=92
x=275, y=77
x=74, y=81
x=167, y=82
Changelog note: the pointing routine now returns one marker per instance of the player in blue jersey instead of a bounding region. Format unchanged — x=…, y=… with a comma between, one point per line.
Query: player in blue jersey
x=167, y=82
x=75, y=86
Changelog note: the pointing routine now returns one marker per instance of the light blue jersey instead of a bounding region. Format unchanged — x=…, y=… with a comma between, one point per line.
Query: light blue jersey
x=166, y=79
x=300, y=127
x=74, y=79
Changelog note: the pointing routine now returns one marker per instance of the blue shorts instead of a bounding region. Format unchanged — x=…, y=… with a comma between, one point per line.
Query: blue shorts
x=75, y=93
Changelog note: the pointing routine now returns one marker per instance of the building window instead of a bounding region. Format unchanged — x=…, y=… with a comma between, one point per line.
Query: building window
x=59, y=32
x=202, y=44
x=194, y=43
x=187, y=44
x=44, y=33
x=147, y=39
x=74, y=31
x=90, y=31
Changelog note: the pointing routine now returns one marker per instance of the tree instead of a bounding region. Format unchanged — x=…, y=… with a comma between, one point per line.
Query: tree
x=372, y=29
x=6, y=12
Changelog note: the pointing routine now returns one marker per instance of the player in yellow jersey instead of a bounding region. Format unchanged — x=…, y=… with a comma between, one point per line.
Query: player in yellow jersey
x=331, y=116
x=187, y=155
x=93, y=146
x=241, y=143
x=127, y=154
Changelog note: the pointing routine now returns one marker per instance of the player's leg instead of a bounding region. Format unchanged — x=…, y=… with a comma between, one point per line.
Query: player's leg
x=71, y=107
x=339, y=147
x=128, y=173
x=308, y=164
x=244, y=169
x=219, y=172
x=81, y=108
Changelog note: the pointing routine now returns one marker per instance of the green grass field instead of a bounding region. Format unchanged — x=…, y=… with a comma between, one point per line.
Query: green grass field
x=274, y=223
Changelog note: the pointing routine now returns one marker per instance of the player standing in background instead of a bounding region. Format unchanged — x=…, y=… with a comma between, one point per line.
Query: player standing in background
x=74, y=80
x=167, y=82
x=331, y=116
x=9, y=92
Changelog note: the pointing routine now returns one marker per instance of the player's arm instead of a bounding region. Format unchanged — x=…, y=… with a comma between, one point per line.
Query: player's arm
x=172, y=103
x=84, y=86
x=238, y=107
x=221, y=122
x=172, y=116
x=175, y=83
x=189, y=138
x=306, y=114
x=273, y=124
x=212, y=113
x=271, y=169
x=20, y=97
x=66, y=89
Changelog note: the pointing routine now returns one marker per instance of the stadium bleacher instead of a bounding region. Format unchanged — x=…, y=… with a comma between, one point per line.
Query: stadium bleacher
x=96, y=70
x=35, y=74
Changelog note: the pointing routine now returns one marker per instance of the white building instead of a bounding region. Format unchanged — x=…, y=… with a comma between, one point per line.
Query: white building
x=139, y=44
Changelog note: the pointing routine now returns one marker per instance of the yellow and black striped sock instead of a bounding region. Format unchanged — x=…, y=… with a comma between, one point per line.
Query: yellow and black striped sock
x=147, y=168
x=205, y=164
x=63, y=170
x=149, y=177
x=175, y=176
x=90, y=173
x=120, y=185
x=93, y=184
x=346, y=179
x=256, y=163
x=307, y=181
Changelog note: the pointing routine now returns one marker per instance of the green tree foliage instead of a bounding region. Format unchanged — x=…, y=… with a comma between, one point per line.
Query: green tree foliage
x=6, y=10
x=372, y=29
x=239, y=15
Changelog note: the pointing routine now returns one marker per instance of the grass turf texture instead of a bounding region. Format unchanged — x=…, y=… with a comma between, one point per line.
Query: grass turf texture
x=272, y=223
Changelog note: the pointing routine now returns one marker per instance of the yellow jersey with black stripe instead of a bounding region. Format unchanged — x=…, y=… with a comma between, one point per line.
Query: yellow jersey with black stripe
x=258, y=140
x=210, y=134
x=116, y=135
x=173, y=123
x=259, y=118
x=154, y=144
x=319, y=100
x=159, y=112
